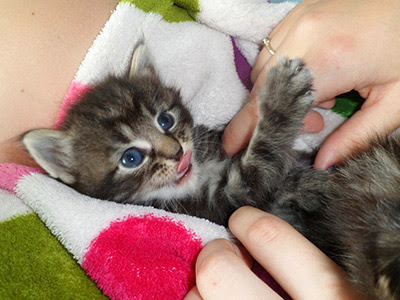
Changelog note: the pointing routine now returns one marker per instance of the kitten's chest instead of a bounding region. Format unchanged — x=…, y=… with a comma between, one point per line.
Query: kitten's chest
x=211, y=176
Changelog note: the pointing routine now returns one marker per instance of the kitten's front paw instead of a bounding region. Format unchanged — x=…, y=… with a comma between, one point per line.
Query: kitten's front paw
x=288, y=88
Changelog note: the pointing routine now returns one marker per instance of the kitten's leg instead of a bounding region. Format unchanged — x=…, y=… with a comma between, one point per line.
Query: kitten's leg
x=253, y=177
x=283, y=103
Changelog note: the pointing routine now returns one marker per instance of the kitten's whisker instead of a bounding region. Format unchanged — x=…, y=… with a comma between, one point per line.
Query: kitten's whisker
x=184, y=210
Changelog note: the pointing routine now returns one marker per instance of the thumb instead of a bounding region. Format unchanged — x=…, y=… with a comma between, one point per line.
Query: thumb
x=239, y=131
x=378, y=119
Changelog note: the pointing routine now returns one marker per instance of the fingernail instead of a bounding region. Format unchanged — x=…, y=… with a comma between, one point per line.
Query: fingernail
x=313, y=122
x=333, y=167
x=325, y=159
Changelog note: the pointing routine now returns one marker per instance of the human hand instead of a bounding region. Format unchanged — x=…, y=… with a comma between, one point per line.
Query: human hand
x=347, y=45
x=302, y=270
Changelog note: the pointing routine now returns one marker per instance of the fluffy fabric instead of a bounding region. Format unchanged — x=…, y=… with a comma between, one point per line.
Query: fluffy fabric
x=34, y=265
x=203, y=48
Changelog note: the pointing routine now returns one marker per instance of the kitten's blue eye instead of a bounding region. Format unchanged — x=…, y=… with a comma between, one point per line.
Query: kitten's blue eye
x=132, y=158
x=166, y=120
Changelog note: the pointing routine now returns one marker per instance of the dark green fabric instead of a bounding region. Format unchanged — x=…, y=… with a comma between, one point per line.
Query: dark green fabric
x=34, y=265
x=347, y=104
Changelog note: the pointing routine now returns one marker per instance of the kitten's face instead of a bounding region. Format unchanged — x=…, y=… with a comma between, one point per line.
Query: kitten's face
x=143, y=148
x=125, y=140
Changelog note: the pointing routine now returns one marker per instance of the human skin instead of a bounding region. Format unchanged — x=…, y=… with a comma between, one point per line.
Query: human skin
x=42, y=44
x=347, y=45
x=302, y=270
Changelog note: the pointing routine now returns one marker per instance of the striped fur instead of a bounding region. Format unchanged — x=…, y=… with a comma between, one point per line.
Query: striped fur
x=352, y=213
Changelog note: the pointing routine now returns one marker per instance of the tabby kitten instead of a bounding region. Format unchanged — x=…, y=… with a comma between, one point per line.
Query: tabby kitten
x=132, y=141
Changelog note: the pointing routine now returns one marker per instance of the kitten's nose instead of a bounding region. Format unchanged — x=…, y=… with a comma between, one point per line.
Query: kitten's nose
x=177, y=156
x=167, y=147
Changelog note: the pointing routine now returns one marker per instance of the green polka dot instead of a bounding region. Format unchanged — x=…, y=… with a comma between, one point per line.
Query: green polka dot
x=171, y=11
x=34, y=265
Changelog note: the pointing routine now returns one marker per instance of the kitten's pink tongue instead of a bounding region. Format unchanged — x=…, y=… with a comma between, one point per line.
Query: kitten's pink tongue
x=184, y=162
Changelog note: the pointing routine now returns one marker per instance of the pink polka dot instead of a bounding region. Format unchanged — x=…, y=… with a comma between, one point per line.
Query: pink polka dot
x=10, y=174
x=75, y=92
x=145, y=257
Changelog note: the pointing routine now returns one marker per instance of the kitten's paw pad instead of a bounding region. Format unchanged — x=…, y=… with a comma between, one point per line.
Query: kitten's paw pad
x=288, y=85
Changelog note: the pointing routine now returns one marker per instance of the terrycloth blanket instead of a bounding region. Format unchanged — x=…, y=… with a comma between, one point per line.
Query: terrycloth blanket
x=58, y=244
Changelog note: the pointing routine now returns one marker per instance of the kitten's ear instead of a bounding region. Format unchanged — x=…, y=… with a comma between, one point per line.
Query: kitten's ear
x=51, y=149
x=141, y=64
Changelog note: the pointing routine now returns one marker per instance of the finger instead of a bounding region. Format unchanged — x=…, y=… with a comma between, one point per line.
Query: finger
x=357, y=132
x=261, y=62
x=327, y=104
x=239, y=131
x=222, y=273
x=264, y=55
x=259, y=83
x=264, y=61
x=265, y=58
x=313, y=122
x=297, y=265
x=193, y=294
